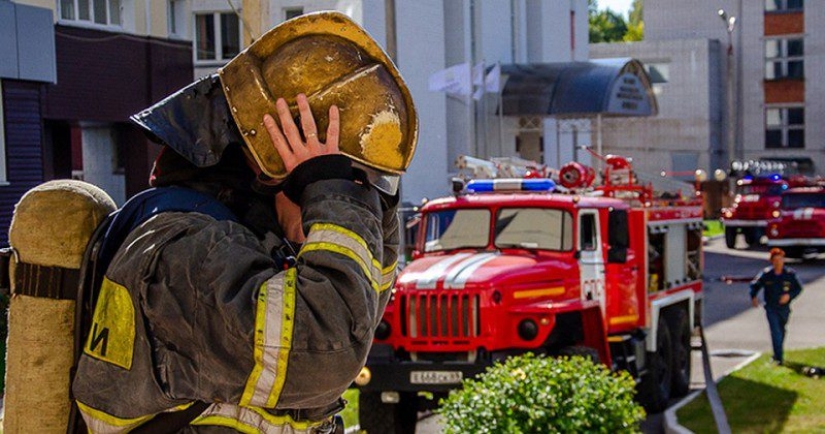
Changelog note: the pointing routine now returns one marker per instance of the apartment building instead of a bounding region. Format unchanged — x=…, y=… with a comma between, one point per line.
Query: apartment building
x=72, y=72
x=768, y=106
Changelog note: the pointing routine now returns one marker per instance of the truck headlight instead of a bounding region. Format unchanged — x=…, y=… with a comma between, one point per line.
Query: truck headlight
x=363, y=377
x=528, y=330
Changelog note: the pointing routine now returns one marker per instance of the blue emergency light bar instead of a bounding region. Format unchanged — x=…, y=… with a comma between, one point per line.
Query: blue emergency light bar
x=490, y=185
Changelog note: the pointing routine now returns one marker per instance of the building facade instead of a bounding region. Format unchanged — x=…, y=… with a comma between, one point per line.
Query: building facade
x=27, y=66
x=109, y=60
x=774, y=49
x=688, y=132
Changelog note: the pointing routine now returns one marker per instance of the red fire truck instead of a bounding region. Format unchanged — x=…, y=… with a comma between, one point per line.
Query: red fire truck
x=757, y=196
x=798, y=225
x=508, y=266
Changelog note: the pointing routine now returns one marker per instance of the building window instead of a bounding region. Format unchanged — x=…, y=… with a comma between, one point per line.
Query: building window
x=783, y=5
x=217, y=37
x=103, y=12
x=784, y=58
x=177, y=18
x=659, y=72
x=784, y=127
x=290, y=13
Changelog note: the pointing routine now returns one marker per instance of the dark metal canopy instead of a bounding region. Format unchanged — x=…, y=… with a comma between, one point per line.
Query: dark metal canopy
x=607, y=87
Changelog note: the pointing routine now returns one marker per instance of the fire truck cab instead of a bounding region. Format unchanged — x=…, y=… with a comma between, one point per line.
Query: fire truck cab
x=508, y=266
x=798, y=226
x=756, y=198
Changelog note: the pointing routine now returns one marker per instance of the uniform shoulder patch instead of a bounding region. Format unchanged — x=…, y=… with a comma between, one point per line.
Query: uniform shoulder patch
x=112, y=335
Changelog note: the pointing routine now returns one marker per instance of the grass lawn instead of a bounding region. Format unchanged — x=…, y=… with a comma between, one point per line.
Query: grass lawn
x=762, y=398
x=350, y=412
x=713, y=228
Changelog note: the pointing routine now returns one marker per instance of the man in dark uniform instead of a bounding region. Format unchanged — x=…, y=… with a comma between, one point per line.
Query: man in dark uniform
x=781, y=286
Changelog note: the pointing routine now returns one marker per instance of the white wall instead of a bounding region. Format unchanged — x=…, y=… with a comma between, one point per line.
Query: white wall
x=814, y=86
x=98, y=161
x=420, y=54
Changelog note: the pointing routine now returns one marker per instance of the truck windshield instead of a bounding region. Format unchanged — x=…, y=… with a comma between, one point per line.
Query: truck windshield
x=766, y=189
x=803, y=200
x=460, y=228
x=528, y=228
x=534, y=228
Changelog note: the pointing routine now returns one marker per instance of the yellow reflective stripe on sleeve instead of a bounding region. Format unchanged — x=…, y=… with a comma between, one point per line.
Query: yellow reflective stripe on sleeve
x=274, y=316
x=388, y=276
x=100, y=422
x=252, y=420
x=329, y=237
x=369, y=272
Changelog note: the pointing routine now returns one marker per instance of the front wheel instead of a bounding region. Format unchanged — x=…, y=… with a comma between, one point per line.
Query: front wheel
x=753, y=237
x=679, y=325
x=376, y=417
x=730, y=237
x=655, y=387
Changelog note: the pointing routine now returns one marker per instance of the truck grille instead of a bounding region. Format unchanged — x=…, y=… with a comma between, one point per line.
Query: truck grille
x=802, y=229
x=440, y=315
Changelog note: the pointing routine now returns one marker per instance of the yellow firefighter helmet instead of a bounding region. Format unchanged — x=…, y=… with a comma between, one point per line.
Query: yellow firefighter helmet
x=332, y=60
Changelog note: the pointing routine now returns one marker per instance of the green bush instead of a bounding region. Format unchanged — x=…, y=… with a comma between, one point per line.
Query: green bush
x=531, y=394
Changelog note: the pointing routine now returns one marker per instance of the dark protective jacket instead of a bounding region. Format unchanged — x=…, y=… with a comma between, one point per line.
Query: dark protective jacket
x=194, y=309
x=775, y=286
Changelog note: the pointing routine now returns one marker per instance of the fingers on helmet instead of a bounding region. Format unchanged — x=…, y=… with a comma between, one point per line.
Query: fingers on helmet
x=307, y=120
x=334, y=128
x=290, y=130
x=277, y=137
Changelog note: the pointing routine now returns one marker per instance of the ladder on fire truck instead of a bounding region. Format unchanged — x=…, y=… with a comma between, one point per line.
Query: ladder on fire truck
x=500, y=167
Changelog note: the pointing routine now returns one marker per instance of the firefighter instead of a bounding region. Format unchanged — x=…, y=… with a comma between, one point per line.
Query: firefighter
x=781, y=287
x=243, y=292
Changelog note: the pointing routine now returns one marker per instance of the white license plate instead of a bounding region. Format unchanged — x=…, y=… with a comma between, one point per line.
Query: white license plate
x=436, y=377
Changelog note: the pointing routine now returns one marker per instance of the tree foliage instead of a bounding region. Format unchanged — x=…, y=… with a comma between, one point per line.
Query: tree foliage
x=635, y=23
x=608, y=26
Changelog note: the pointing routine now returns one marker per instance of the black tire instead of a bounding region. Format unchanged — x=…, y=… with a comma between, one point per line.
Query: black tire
x=730, y=237
x=795, y=252
x=655, y=388
x=679, y=325
x=375, y=417
x=580, y=350
x=752, y=237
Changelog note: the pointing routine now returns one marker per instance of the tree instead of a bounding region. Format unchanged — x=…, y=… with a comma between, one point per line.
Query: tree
x=605, y=25
x=635, y=23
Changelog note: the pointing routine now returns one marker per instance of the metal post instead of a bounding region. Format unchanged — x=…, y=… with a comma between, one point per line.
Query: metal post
x=389, y=19
x=739, y=125
x=730, y=120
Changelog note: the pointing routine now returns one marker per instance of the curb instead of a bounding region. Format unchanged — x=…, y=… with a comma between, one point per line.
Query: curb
x=672, y=422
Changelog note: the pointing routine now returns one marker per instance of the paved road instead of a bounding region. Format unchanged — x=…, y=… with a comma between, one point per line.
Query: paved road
x=732, y=327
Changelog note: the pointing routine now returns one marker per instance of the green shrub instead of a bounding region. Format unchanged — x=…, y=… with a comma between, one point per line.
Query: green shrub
x=530, y=394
